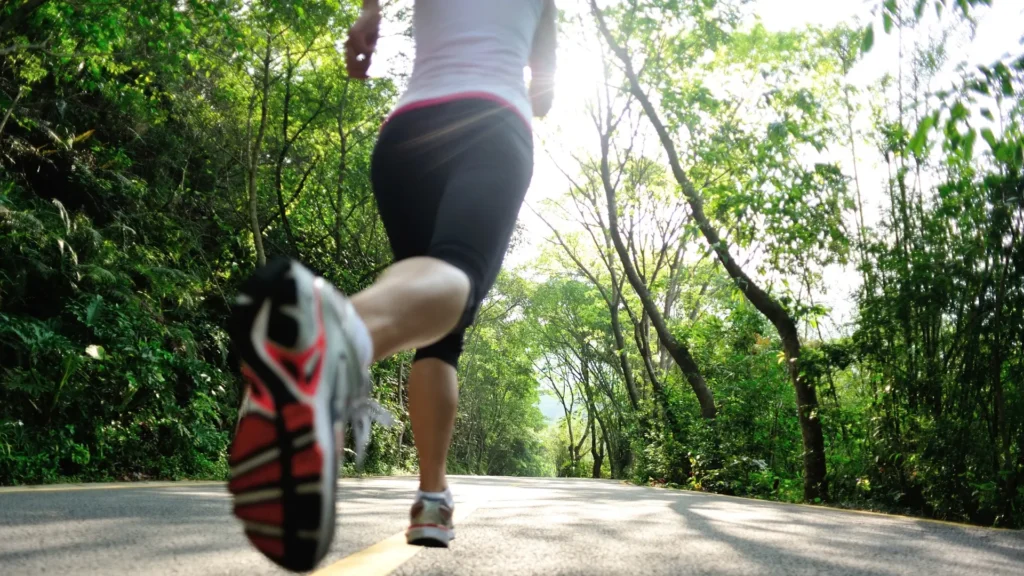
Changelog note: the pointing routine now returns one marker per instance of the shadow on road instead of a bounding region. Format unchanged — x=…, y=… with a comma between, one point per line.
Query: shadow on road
x=540, y=526
x=155, y=527
x=710, y=534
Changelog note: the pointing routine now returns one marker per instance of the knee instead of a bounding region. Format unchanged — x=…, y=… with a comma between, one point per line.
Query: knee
x=448, y=349
x=446, y=287
x=465, y=270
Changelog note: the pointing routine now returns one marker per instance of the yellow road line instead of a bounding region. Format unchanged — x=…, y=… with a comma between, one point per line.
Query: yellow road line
x=387, y=555
x=112, y=486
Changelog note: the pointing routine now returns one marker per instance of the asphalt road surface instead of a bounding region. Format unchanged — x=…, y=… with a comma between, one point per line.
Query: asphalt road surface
x=504, y=526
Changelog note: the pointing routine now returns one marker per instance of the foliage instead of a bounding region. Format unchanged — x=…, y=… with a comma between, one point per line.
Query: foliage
x=943, y=344
x=121, y=204
x=152, y=154
x=499, y=427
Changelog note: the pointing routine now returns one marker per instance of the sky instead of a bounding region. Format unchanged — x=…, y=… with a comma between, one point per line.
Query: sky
x=567, y=130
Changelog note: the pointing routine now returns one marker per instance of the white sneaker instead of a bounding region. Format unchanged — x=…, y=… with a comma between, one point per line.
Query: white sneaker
x=430, y=522
x=304, y=384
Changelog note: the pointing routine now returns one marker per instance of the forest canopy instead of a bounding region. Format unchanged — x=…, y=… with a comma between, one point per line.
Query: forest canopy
x=776, y=261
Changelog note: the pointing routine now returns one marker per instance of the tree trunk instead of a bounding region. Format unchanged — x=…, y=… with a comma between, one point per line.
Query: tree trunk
x=612, y=299
x=401, y=410
x=578, y=449
x=671, y=296
x=342, y=168
x=815, y=481
x=255, y=149
x=7, y=115
x=659, y=389
x=594, y=416
x=614, y=463
x=620, y=349
x=996, y=373
x=567, y=409
x=613, y=309
x=679, y=352
x=283, y=154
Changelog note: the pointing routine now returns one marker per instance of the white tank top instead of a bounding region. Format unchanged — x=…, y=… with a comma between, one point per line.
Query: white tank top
x=472, y=48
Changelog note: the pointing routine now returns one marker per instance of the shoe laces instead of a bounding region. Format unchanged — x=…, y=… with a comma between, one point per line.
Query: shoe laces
x=361, y=411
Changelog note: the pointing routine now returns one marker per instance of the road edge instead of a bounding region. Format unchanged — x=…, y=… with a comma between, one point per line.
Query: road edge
x=81, y=487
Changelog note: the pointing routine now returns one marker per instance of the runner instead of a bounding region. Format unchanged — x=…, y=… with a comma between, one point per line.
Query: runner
x=450, y=170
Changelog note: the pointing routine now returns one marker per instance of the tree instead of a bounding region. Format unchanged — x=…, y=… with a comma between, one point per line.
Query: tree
x=785, y=322
x=153, y=153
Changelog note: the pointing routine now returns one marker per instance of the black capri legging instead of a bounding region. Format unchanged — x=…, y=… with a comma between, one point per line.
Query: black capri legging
x=449, y=179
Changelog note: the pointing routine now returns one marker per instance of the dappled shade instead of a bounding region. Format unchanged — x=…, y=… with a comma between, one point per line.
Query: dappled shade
x=752, y=268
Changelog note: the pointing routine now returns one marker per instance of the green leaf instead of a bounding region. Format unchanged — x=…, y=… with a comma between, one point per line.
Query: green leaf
x=777, y=131
x=84, y=136
x=92, y=310
x=989, y=137
x=1010, y=153
x=978, y=87
x=919, y=8
x=987, y=114
x=1005, y=153
x=869, y=38
x=1006, y=83
x=921, y=135
x=968, y=143
x=887, y=22
x=959, y=111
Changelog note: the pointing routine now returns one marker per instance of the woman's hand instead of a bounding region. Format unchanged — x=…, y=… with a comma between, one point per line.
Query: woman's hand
x=362, y=41
x=542, y=94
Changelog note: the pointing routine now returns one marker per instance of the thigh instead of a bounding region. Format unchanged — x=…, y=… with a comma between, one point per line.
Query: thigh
x=483, y=194
x=407, y=192
x=449, y=181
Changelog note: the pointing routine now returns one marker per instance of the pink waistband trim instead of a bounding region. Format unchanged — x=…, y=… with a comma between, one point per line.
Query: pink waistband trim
x=455, y=97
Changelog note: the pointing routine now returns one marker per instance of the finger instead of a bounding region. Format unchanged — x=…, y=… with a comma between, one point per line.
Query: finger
x=352, y=57
x=364, y=66
x=355, y=71
x=357, y=67
x=355, y=44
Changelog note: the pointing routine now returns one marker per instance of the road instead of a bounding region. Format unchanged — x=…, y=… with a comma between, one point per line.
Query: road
x=505, y=526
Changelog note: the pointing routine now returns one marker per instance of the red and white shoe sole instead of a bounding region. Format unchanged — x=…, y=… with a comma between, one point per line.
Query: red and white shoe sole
x=283, y=457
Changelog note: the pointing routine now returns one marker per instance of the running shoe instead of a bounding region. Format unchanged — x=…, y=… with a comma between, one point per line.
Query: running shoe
x=304, y=384
x=430, y=523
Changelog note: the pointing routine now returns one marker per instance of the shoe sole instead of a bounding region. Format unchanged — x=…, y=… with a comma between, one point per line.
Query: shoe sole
x=283, y=457
x=429, y=536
